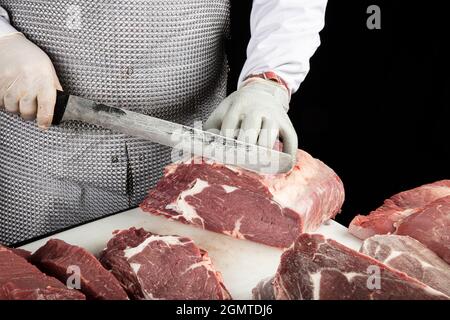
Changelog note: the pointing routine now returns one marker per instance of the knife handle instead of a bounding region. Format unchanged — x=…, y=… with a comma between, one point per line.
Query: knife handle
x=60, y=106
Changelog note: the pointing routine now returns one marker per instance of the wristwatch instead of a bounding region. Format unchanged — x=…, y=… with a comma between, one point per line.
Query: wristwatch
x=269, y=75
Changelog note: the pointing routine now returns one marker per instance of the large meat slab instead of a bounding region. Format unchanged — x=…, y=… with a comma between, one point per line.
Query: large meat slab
x=422, y=213
x=270, y=209
x=152, y=266
x=58, y=258
x=386, y=218
x=20, y=280
x=22, y=253
x=431, y=226
x=411, y=257
x=315, y=268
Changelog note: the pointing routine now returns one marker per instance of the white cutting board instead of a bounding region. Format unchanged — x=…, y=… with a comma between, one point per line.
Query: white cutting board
x=242, y=263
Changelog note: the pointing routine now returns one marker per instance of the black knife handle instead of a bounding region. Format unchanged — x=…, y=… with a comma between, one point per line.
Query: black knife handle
x=60, y=106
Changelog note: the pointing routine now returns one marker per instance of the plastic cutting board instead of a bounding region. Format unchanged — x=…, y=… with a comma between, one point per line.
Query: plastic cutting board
x=242, y=263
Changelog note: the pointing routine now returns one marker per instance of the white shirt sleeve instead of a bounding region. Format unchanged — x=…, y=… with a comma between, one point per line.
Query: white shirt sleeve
x=284, y=36
x=5, y=26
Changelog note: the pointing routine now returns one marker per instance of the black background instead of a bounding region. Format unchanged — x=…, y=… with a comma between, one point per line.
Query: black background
x=375, y=105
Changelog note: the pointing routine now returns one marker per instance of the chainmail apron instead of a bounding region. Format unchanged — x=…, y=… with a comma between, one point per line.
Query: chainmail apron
x=163, y=58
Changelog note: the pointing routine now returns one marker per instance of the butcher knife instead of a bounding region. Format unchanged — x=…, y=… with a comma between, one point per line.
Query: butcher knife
x=186, y=140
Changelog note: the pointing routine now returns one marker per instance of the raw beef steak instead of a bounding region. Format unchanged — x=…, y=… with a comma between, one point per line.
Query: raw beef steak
x=264, y=290
x=56, y=257
x=386, y=218
x=422, y=213
x=270, y=209
x=411, y=257
x=20, y=280
x=151, y=266
x=431, y=226
x=315, y=268
x=20, y=252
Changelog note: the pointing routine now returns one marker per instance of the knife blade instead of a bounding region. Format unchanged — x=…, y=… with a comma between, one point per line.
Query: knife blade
x=183, y=138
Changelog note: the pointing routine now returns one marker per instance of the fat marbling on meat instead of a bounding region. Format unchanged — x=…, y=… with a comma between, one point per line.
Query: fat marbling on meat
x=411, y=257
x=422, y=213
x=155, y=267
x=316, y=268
x=270, y=209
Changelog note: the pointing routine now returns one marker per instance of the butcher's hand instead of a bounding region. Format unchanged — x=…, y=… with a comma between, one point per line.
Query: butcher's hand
x=28, y=80
x=256, y=113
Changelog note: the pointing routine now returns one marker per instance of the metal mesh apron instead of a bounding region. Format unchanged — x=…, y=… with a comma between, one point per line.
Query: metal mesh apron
x=162, y=58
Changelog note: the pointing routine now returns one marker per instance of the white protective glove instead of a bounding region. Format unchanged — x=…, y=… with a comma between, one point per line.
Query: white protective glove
x=28, y=80
x=257, y=114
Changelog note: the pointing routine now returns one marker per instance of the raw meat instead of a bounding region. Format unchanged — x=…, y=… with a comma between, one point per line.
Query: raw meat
x=270, y=209
x=411, y=257
x=422, y=213
x=151, y=266
x=386, y=218
x=56, y=258
x=20, y=252
x=20, y=280
x=431, y=226
x=264, y=290
x=315, y=268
